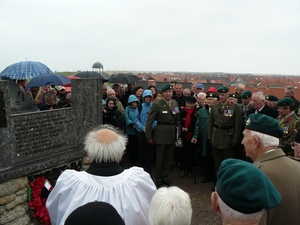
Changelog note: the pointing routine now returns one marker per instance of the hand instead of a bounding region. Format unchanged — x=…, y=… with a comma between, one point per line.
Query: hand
x=194, y=140
x=144, y=129
x=149, y=141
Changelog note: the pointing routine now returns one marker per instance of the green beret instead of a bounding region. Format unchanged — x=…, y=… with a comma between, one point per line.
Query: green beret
x=233, y=96
x=212, y=94
x=223, y=89
x=166, y=87
x=245, y=188
x=246, y=94
x=264, y=124
x=272, y=98
x=285, y=102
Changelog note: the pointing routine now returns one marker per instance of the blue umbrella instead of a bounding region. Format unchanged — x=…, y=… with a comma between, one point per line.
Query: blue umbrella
x=48, y=80
x=25, y=70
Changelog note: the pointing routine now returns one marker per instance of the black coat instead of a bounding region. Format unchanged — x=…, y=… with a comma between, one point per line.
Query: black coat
x=113, y=117
x=266, y=110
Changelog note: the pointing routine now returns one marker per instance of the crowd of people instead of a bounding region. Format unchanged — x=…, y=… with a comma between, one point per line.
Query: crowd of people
x=48, y=97
x=247, y=143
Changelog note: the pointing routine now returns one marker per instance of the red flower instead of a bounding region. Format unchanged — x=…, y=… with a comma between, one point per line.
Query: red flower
x=288, y=119
x=37, y=203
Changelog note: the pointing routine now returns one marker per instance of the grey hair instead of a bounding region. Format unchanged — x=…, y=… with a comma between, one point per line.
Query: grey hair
x=266, y=140
x=233, y=214
x=290, y=88
x=170, y=206
x=105, y=152
x=260, y=94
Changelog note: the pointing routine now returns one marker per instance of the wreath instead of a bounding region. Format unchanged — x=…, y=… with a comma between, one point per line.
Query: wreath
x=37, y=200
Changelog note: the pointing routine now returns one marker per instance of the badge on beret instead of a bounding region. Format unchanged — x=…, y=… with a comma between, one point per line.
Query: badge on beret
x=248, y=122
x=267, y=98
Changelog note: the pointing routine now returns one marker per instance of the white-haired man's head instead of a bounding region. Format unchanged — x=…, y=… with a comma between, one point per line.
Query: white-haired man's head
x=105, y=144
x=170, y=206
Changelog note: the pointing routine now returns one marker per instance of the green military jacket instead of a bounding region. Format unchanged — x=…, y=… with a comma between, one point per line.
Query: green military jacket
x=168, y=122
x=289, y=125
x=225, y=125
x=244, y=110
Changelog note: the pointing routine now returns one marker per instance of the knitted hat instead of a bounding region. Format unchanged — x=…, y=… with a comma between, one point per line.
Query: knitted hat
x=272, y=98
x=246, y=94
x=111, y=99
x=245, y=188
x=166, y=87
x=285, y=102
x=264, y=124
x=223, y=89
x=190, y=99
x=95, y=213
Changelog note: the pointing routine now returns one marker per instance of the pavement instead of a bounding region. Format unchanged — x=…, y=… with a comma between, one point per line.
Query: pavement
x=203, y=213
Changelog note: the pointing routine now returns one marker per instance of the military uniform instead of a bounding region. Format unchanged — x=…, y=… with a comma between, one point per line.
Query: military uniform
x=164, y=135
x=245, y=109
x=224, y=130
x=289, y=123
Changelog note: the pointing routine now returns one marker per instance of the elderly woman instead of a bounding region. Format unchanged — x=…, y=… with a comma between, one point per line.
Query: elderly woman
x=49, y=102
x=129, y=191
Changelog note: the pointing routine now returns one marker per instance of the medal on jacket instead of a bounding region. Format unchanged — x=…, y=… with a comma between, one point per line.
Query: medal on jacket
x=286, y=130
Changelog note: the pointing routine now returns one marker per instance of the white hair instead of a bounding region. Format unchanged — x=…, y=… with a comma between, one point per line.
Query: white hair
x=103, y=151
x=266, y=140
x=233, y=214
x=261, y=95
x=170, y=206
x=200, y=95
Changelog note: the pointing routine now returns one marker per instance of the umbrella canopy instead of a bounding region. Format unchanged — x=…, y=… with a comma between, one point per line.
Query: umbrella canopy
x=25, y=70
x=123, y=78
x=92, y=74
x=48, y=80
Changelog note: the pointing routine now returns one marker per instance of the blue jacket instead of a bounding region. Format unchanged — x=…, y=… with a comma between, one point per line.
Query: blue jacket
x=130, y=115
x=142, y=113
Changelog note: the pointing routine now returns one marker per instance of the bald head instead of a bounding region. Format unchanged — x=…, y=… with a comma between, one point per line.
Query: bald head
x=105, y=136
x=105, y=144
x=111, y=93
x=239, y=88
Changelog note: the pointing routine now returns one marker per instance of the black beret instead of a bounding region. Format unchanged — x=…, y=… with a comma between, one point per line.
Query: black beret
x=212, y=94
x=272, y=98
x=233, y=95
x=190, y=99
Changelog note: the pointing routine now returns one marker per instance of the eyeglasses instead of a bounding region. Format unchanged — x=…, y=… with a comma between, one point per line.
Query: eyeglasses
x=294, y=144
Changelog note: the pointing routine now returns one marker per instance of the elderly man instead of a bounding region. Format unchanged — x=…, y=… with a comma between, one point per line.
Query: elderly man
x=128, y=191
x=289, y=91
x=259, y=105
x=187, y=92
x=166, y=112
x=239, y=88
x=242, y=193
x=170, y=206
x=112, y=93
x=178, y=96
x=289, y=121
x=225, y=127
x=261, y=140
x=271, y=101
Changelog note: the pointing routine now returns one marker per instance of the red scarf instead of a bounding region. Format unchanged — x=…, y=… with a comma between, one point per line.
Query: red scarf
x=188, y=122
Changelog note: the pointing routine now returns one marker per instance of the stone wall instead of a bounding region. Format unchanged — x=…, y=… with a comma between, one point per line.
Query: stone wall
x=14, y=203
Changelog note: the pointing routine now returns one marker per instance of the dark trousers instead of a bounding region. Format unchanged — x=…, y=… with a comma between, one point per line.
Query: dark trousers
x=220, y=155
x=187, y=156
x=145, y=156
x=164, y=156
x=133, y=149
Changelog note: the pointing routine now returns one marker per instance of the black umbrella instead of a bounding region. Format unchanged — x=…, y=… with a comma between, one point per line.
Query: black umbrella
x=123, y=78
x=92, y=74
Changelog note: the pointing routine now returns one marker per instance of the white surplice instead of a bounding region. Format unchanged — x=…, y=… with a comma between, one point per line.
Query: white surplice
x=130, y=192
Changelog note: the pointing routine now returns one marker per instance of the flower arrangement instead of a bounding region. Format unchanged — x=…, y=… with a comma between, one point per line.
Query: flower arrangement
x=38, y=203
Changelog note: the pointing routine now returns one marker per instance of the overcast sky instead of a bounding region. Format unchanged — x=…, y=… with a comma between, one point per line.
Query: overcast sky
x=236, y=36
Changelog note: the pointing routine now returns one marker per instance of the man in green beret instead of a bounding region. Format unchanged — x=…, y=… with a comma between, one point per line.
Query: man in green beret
x=233, y=98
x=271, y=101
x=246, y=103
x=225, y=127
x=166, y=112
x=243, y=192
x=261, y=140
x=289, y=121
